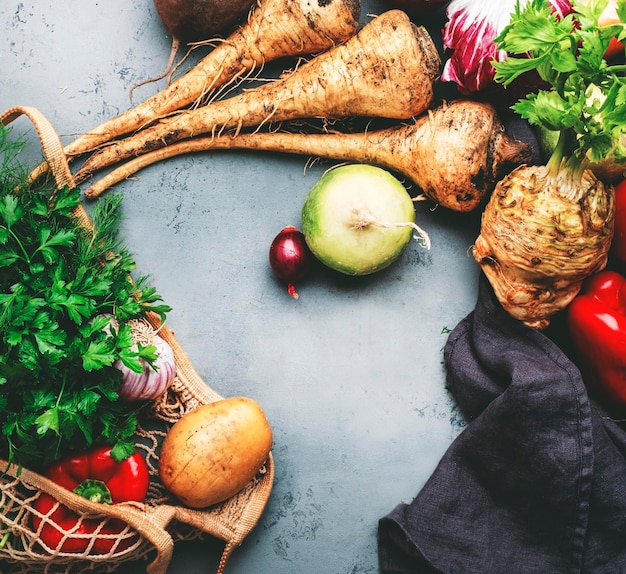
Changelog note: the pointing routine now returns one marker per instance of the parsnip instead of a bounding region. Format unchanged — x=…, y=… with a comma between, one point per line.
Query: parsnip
x=427, y=151
x=387, y=70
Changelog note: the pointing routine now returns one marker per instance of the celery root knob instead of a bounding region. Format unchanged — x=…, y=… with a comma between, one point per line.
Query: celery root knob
x=537, y=243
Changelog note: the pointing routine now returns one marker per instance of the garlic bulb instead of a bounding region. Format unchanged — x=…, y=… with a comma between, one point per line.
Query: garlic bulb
x=151, y=382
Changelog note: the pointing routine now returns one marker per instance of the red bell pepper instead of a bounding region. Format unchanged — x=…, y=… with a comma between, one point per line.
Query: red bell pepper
x=597, y=325
x=95, y=475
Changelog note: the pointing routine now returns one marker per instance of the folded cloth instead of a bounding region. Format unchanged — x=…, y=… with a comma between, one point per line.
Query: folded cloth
x=535, y=483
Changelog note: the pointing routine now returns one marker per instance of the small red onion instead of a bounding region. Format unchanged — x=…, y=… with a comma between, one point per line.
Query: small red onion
x=290, y=257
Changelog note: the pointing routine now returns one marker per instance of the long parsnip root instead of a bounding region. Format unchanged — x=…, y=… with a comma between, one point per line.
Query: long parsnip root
x=275, y=29
x=455, y=153
x=387, y=70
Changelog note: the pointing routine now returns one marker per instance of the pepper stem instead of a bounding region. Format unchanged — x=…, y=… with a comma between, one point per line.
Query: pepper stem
x=94, y=490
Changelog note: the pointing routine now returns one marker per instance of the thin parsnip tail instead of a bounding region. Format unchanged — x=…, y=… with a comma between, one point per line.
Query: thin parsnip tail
x=387, y=70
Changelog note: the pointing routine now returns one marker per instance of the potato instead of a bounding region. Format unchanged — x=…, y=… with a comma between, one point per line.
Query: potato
x=214, y=451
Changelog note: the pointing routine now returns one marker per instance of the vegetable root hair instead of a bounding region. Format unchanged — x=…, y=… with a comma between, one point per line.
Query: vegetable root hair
x=174, y=48
x=425, y=151
x=386, y=70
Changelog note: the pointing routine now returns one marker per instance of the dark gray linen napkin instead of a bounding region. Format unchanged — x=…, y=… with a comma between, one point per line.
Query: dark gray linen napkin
x=535, y=483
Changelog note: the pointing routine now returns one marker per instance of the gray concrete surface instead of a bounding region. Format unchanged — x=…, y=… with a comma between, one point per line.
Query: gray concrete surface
x=350, y=375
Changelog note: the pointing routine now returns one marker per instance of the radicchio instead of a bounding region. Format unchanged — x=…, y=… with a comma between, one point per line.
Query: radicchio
x=469, y=35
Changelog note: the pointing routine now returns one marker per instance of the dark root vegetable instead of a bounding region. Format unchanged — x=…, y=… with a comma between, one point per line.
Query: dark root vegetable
x=290, y=257
x=195, y=20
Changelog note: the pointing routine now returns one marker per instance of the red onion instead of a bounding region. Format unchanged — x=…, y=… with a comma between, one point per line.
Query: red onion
x=290, y=257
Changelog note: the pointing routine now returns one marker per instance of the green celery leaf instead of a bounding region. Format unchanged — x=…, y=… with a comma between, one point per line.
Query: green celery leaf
x=591, y=63
x=509, y=69
x=621, y=10
x=563, y=61
x=588, y=13
x=548, y=109
x=620, y=98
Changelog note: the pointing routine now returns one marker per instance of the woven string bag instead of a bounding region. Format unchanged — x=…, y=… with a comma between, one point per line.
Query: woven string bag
x=150, y=528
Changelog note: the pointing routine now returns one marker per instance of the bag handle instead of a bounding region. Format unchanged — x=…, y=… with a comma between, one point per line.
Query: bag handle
x=52, y=150
x=50, y=142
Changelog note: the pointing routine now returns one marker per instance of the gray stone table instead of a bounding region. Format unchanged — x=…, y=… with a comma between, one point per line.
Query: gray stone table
x=350, y=375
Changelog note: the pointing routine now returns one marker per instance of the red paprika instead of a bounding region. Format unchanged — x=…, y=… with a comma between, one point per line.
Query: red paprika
x=95, y=475
x=597, y=325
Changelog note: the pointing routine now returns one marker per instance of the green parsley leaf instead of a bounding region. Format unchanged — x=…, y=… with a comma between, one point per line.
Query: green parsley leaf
x=98, y=355
x=48, y=420
x=10, y=210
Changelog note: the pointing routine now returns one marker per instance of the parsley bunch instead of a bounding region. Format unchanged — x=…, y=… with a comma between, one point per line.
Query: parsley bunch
x=586, y=98
x=60, y=286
